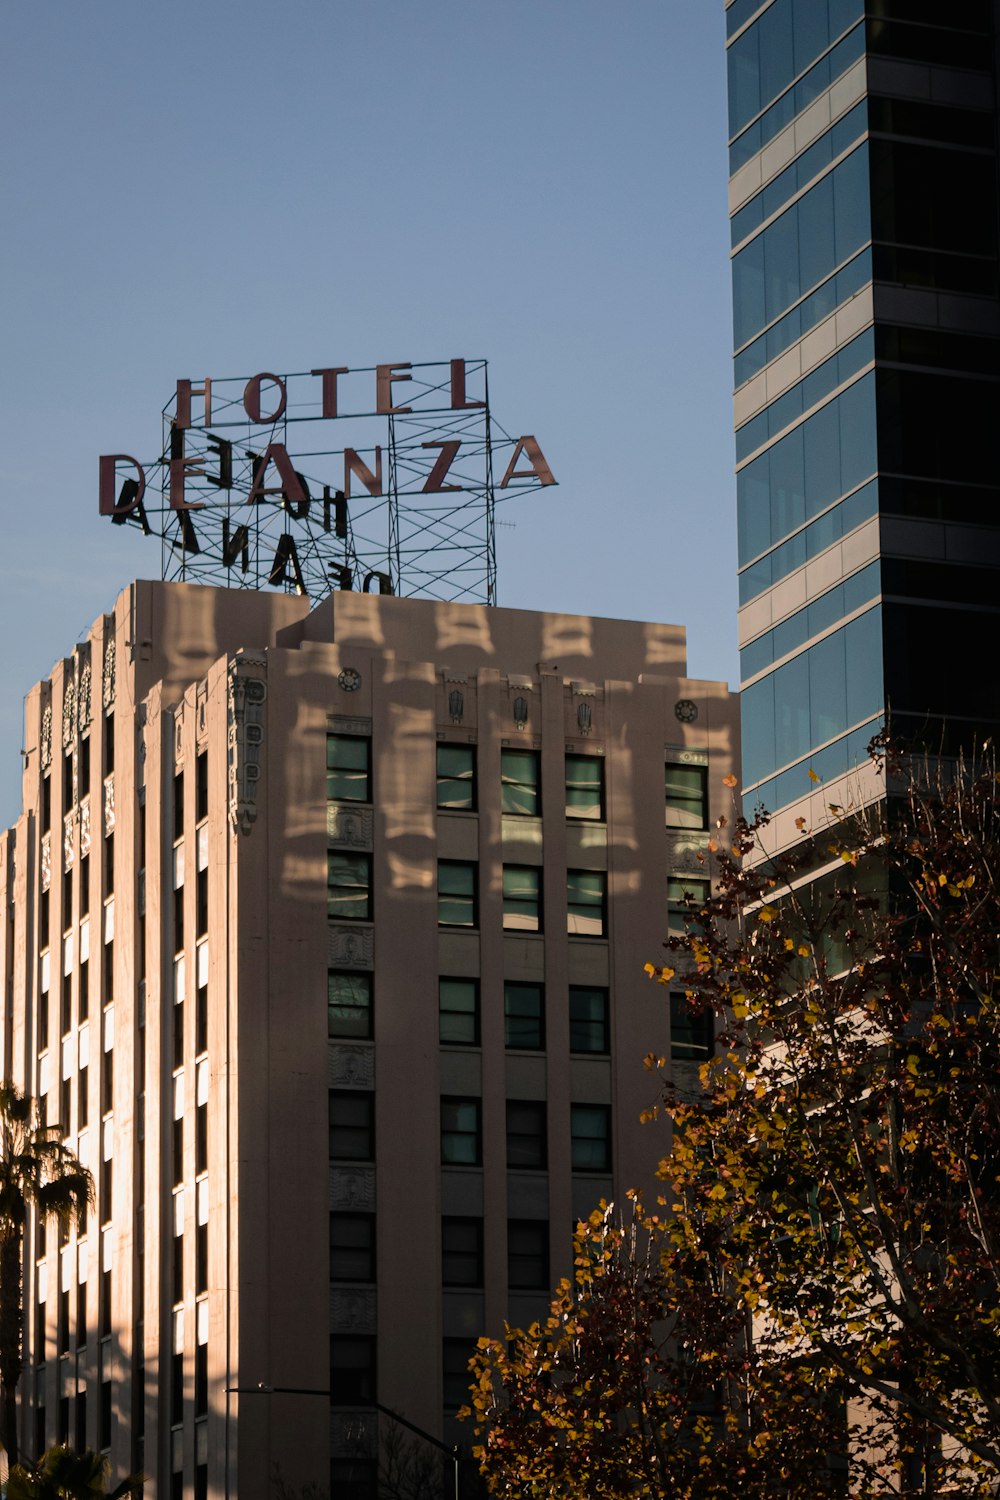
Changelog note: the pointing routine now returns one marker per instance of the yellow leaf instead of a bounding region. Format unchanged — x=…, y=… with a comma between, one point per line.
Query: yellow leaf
x=649, y=969
x=800, y=823
x=767, y=913
x=812, y=775
x=729, y=780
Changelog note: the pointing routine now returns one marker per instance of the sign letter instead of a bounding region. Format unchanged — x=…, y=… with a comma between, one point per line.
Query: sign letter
x=539, y=468
x=435, y=479
x=458, y=401
x=126, y=502
x=355, y=465
x=330, y=387
x=251, y=398
x=285, y=568
x=291, y=487
x=384, y=376
x=185, y=390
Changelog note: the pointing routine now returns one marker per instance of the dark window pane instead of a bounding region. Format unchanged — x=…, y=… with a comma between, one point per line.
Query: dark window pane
x=348, y=768
x=527, y=1144
x=586, y=897
x=352, y=1247
x=585, y=786
x=349, y=880
x=528, y=1254
x=519, y=782
x=456, y=777
x=590, y=1128
x=458, y=1011
x=588, y=1019
x=352, y=1370
x=692, y=1032
x=456, y=1354
x=462, y=1252
x=352, y=1125
x=681, y=890
x=524, y=1015
x=686, y=796
x=349, y=1004
x=460, y=1132
x=522, y=899
x=457, y=905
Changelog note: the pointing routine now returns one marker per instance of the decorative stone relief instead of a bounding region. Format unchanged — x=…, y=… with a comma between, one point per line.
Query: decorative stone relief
x=47, y=737
x=85, y=826
x=352, y=1187
x=108, y=679
x=350, y=947
x=68, y=713
x=351, y=827
x=352, y=1067
x=247, y=697
x=109, y=804
x=353, y=1434
x=69, y=842
x=683, y=850
x=352, y=1309
x=46, y=861
x=345, y=724
x=84, y=709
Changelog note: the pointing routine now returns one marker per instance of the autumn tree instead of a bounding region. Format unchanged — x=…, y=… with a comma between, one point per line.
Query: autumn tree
x=824, y=1256
x=642, y=1382
x=846, y=1146
x=37, y=1169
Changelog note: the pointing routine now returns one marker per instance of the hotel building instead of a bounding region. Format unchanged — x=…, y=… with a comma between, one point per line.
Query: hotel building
x=324, y=944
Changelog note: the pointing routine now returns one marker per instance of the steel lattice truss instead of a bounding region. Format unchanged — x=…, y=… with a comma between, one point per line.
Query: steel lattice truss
x=247, y=494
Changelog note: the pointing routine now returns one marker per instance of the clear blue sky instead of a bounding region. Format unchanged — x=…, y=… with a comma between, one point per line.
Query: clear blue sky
x=226, y=186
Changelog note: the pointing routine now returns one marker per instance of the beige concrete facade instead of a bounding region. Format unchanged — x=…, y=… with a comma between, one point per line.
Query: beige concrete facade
x=179, y=891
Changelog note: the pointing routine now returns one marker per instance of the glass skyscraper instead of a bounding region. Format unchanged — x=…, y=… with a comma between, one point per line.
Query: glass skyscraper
x=864, y=214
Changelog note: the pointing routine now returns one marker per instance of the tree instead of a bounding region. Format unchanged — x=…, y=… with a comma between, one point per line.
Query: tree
x=37, y=1170
x=642, y=1382
x=846, y=1146
x=826, y=1249
x=62, y=1474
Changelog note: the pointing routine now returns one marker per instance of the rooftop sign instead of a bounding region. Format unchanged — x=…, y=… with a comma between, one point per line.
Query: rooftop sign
x=249, y=491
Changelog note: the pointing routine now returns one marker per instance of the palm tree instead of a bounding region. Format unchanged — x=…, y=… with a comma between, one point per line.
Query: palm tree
x=36, y=1169
x=62, y=1474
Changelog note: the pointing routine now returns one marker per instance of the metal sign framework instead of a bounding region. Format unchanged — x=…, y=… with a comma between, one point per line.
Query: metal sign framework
x=249, y=495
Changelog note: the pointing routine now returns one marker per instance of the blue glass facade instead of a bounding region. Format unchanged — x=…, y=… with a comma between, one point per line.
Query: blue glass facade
x=868, y=459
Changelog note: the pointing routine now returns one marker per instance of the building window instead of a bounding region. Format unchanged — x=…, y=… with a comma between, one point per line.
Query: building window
x=528, y=1255
x=686, y=796
x=588, y=1019
x=348, y=886
x=178, y=806
x=455, y=1356
x=348, y=768
x=462, y=1252
x=586, y=903
x=461, y=1132
x=456, y=777
x=458, y=1012
x=352, y=1247
x=527, y=1144
x=685, y=897
x=354, y=1478
x=352, y=1125
x=352, y=1370
x=201, y=786
x=349, y=1004
x=524, y=1015
x=692, y=1032
x=590, y=1130
x=457, y=894
x=522, y=898
x=585, y=787
x=520, y=783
